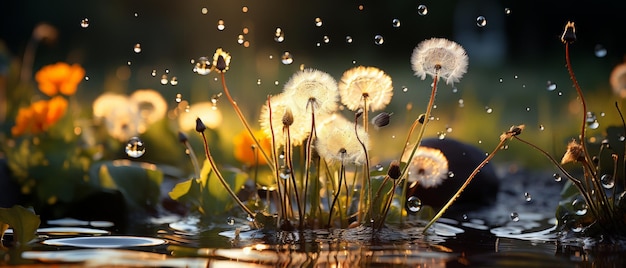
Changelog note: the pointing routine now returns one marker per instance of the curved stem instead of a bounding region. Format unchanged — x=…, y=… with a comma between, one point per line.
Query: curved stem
x=465, y=184
x=332, y=205
x=194, y=159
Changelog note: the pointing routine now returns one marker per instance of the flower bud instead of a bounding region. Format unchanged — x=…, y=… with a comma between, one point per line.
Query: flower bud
x=381, y=119
x=394, y=171
x=288, y=118
x=569, y=34
x=200, y=127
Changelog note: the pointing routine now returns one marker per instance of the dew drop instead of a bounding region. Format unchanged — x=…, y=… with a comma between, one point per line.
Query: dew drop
x=395, y=23
x=414, y=204
x=318, y=22
x=378, y=39
x=481, y=21
x=220, y=25
x=592, y=121
x=164, y=80
x=422, y=10
x=279, y=35
x=137, y=48
x=286, y=58
x=230, y=221
x=84, y=23
x=379, y=167
x=135, y=148
x=515, y=216
x=349, y=39
x=579, y=205
x=507, y=11
x=556, y=177
x=174, y=81
x=550, y=86
x=598, y=50
x=527, y=197
x=607, y=181
x=203, y=66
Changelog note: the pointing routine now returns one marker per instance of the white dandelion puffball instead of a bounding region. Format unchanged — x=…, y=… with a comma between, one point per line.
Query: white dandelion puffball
x=439, y=57
x=312, y=87
x=337, y=141
x=428, y=168
x=618, y=80
x=280, y=105
x=365, y=83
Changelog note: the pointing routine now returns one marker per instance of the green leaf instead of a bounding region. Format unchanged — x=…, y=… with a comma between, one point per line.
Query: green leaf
x=23, y=221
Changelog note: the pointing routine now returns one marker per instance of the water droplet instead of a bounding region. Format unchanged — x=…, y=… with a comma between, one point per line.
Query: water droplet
x=136, y=15
x=348, y=39
x=203, y=66
x=527, y=197
x=580, y=206
x=258, y=81
x=378, y=39
x=276, y=83
x=379, y=167
x=86, y=78
x=592, y=121
x=137, y=48
x=84, y=23
x=405, y=89
x=422, y=10
x=318, y=22
x=153, y=73
x=515, y=216
x=542, y=128
x=240, y=39
x=179, y=97
x=279, y=35
x=395, y=23
x=557, y=177
x=550, y=86
x=450, y=174
x=244, y=9
x=507, y=11
x=204, y=10
x=286, y=58
x=326, y=39
x=441, y=135
x=135, y=148
x=481, y=21
x=164, y=79
x=488, y=109
x=414, y=204
x=285, y=173
x=599, y=51
x=607, y=181
x=220, y=25
x=461, y=103
x=500, y=80
x=174, y=81
x=577, y=228
x=230, y=221
x=515, y=76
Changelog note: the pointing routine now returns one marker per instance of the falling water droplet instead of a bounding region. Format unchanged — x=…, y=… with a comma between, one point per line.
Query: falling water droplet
x=542, y=128
x=179, y=97
x=414, y=204
x=203, y=66
x=500, y=80
x=580, y=206
x=592, y=121
x=450, y=174
x=174, y=81
x=488, y=109
x=405, y=89
x=318, y=22
x=286, y=58
x=422, y=10
x=378, y=39
x=348, y=39
x=84, y=23
x=507, y=11
x=164, y=79
x=379, y=167
x=607, y=181
x=515, y=216
x=204, y=10
x=153, y=73
x=550, y=86
x=326, y=39
x=556, y=177
x=135, y=148
x=395, y=23
x=230, y=221
x=220, y=25
x=481, y=21
x=599, y=51
x=137, y=48
x=279, y=35
x=528, y=197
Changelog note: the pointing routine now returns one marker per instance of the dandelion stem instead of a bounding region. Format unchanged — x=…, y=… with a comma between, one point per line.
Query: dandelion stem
x=289, y=160
x=221, y=178
x=275, y=166
x=623, y=156
x=366, y=168
x=337, y=191
x=465, y=184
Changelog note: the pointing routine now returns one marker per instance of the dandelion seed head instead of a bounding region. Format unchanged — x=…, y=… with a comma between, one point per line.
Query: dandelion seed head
x=280, y=105
x=428, y=168
x=312, y=88
x=574, y=153
x=439, y=57
x=337, y=141
x=369, y=82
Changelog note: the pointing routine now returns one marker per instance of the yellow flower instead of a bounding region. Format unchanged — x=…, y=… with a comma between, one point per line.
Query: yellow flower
x=337, y=141
x=245, y=148
x=59, y=78
x=429, y=167
x=39, y=116
x=369, y=83
x=221, y=65
x=439, y=57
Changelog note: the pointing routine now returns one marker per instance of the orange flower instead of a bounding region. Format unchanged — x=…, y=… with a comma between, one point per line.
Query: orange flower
x=59, y=78
x=246, y=151
x=39, y=116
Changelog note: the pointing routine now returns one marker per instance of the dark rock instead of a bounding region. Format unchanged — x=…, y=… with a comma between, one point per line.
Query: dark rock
x=462, y=160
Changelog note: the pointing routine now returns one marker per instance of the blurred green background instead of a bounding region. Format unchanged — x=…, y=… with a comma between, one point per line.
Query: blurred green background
x=512, y=57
